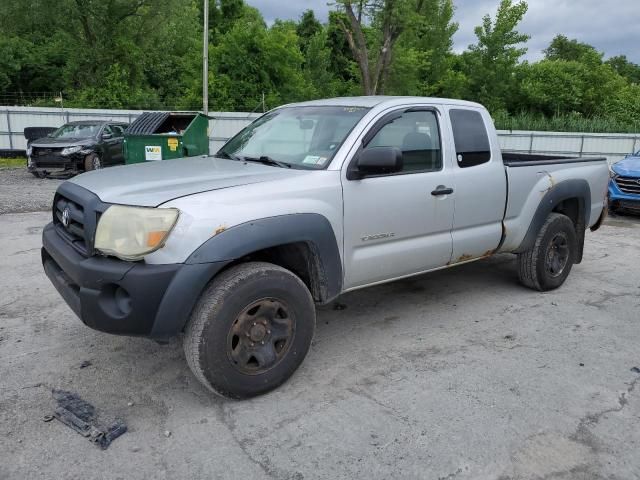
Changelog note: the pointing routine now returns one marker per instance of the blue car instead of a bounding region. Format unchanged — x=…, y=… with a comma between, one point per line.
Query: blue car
x=624, y=186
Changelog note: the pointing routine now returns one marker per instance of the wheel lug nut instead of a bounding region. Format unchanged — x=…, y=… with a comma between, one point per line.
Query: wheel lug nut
x=261, y=343
x=253, y=344
x=254, y=324
x=247, y=335
x=269, y=331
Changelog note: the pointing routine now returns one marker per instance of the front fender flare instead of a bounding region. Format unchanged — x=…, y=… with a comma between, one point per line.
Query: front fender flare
x=239, y=241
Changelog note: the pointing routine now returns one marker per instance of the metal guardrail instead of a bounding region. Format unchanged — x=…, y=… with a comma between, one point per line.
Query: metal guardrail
x=226, y=124
x=573, y=136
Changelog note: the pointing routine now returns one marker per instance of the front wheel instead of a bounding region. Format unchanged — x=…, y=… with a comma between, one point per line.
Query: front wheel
x=548, y=263
x=250, y=330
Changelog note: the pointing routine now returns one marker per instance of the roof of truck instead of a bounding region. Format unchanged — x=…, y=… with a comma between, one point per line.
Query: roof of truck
x=373, y=101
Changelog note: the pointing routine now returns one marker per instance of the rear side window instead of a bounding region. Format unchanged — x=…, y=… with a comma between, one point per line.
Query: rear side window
x=470, y=137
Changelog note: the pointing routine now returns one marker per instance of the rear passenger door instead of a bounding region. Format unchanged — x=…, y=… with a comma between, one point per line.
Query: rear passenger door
x=480, y=184
x=399, y=224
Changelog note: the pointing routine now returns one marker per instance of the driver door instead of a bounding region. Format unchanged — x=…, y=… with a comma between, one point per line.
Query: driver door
x=399, y=224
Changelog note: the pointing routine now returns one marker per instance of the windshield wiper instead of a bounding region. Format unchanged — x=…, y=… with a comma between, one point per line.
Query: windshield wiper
x=267, y=161
x=230, y=156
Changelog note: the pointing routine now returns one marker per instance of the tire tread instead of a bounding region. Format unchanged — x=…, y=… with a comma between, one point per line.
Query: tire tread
x=528, y=261
x=206, y=308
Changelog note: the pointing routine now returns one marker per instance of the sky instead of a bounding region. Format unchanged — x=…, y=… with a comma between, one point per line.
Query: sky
x=612, y=26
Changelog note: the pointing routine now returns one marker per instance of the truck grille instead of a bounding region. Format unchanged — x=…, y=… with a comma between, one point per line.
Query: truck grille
x=75, y=216
x=70, y=228
x=628, y=185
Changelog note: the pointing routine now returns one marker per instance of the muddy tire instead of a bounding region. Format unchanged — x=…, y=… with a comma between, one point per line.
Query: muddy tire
x=548, y=263
x=92, y=162
x=250, y=330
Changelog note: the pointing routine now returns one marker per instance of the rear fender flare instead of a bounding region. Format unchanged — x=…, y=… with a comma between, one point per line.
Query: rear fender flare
x=575, y=188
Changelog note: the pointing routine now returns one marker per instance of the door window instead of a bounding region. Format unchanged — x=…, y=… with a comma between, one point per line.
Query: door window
x=470, y=137
x=107, y=131
x=416, y=133
x=117, y=130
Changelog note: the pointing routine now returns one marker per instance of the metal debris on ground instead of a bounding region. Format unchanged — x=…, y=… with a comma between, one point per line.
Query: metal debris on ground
x=81, y=416
x=635, y=370
x=86, y=364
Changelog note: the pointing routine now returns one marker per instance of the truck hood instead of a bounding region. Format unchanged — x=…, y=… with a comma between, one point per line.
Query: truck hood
x=628, y=167
x=48, y=142
x=151, y=184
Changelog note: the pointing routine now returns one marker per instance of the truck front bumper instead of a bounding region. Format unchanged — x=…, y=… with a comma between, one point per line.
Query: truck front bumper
x=124, y=298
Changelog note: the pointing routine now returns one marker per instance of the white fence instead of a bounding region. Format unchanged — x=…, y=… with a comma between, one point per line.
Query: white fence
x=13, y=121
x=224, y=125
x=612, y=146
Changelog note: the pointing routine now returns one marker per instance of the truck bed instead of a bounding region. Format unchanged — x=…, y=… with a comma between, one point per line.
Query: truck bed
x=514, y=159
x=531, y=176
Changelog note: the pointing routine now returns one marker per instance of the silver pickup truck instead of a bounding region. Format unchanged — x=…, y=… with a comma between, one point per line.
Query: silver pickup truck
x=309, y=201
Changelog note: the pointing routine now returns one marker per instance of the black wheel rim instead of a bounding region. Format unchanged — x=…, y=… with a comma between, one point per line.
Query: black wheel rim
x=557, y=256
x=260, y=336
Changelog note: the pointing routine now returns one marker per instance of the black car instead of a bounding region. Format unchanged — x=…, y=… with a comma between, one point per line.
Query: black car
x=77, y=146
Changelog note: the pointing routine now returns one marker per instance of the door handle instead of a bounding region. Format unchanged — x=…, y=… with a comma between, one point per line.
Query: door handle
x=442, y=190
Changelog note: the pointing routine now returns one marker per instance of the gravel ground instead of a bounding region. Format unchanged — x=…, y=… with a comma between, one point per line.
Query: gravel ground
x=461, y=374
x=22, y=192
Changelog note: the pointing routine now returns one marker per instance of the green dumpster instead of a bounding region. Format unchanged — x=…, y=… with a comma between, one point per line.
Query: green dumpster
x=165, y=135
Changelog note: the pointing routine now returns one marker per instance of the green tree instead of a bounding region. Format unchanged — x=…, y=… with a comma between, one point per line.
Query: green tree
x=250, y=60
x=562, y=48
x=553, y=87
x=422, y=60
x=490, y=64
x=625, y=68
x=342, y=64
x=307, y=29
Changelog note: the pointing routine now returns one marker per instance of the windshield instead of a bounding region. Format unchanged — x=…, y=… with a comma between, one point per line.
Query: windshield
x=301, y=137
x=83, y=130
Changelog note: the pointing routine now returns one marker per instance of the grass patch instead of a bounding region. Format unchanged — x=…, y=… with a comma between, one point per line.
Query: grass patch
x=13, y=162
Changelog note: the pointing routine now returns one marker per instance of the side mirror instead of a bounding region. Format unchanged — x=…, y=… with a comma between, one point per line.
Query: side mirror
x=376, y=161
x=106, y=136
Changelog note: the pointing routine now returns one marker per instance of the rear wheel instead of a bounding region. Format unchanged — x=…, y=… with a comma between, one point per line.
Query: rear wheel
x=92, y=162
x=548, y=263
x=250, y=330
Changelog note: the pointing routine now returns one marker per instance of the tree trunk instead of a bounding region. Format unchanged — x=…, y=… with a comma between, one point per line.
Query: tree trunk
x=358, y=46
x=372, y=82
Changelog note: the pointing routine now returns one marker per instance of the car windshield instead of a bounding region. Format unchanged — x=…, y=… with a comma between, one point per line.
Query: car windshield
x=83, y=130
x=296, y=137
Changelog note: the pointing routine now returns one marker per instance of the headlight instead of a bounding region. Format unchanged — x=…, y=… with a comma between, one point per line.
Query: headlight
x=130, y=233
x=70, y=150
x=29, y=151
x=612, y=174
